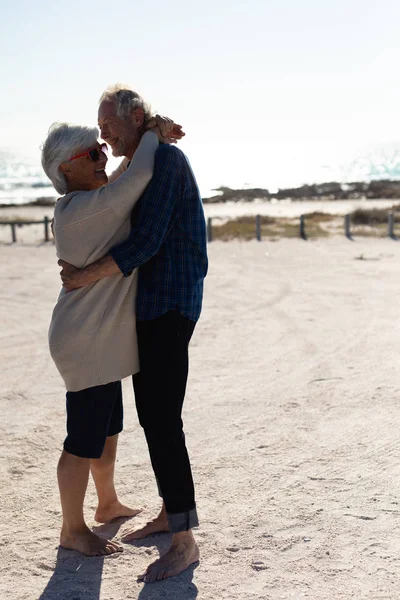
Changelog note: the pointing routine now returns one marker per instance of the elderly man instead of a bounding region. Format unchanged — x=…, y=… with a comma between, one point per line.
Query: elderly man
x=168, y=244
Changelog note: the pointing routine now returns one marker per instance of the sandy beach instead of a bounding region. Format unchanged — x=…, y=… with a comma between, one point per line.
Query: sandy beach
x=292, y=422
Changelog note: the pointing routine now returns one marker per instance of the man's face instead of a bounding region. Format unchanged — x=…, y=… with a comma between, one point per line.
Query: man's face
x=121, y=134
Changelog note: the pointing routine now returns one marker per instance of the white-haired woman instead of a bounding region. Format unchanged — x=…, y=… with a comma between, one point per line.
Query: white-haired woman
x=92, y=334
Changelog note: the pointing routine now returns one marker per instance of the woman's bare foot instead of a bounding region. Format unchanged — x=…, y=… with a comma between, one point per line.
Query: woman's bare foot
x=158, y=525
x=183, y=553
x=88, y=543
x=104, y=514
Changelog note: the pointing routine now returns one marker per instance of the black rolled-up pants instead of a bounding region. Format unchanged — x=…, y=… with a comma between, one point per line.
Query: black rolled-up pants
x=159, y=393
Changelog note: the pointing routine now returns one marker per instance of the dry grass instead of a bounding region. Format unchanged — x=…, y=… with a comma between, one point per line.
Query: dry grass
x=242, y=228
x=272, y=228
x=369, y=230
x=319, y=217
x=372, y=222
x=18, y=220
x=366, y=223
x=374, y=216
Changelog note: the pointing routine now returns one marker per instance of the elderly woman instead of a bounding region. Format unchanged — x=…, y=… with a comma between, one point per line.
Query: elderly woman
x=92, y=334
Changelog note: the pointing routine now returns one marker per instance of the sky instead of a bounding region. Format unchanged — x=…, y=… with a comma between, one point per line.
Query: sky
x=265, y=89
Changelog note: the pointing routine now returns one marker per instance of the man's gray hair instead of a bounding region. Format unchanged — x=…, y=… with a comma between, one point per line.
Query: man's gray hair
x=126, y=100
x=64, y=140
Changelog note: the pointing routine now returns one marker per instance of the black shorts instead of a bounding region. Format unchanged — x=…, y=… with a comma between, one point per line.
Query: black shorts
x=93, y=415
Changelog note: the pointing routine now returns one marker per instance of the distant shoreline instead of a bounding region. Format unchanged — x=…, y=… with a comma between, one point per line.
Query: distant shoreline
x=39, y=202
x=357, y=190
x=384, y=189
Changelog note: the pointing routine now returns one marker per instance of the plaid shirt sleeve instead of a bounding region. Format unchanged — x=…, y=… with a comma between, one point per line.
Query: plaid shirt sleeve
x=156, y=214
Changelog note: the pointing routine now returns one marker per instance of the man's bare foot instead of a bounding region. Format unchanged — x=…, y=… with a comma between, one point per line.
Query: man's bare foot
x=115, y=511
x=158, y=525
x=88, y=543
x=183, y=553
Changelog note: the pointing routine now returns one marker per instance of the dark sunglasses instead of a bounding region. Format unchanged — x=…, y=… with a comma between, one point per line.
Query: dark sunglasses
x=93, y=153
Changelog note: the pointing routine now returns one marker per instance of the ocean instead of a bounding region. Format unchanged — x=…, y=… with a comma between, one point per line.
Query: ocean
x=22, y=179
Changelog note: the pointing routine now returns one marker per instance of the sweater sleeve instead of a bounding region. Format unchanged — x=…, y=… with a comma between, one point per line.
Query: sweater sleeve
x=88, y=224
x=158, y=208
x=119, y=196
x=125, y=191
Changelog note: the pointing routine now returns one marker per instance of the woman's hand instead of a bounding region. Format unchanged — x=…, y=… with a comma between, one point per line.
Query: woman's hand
x=167, y=131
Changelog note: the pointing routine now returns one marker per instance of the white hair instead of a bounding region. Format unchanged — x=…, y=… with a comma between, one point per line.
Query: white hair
x=63, y=141
x=126, y=100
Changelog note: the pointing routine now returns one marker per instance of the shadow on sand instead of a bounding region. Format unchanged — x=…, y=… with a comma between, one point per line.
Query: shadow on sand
x=175, y=588
x=180, y=587
x=77, y=577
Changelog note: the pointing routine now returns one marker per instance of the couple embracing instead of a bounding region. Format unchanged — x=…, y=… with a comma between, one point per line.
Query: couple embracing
x=133, y=253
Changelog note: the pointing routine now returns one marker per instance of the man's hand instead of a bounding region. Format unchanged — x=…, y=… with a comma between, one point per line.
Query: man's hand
x=71, y=277
x=170, y=132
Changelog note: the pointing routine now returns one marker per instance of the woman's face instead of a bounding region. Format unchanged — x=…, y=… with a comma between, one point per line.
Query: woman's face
x=84, y=173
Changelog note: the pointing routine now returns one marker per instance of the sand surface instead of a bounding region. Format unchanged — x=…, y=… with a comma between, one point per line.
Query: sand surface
x=292, y=419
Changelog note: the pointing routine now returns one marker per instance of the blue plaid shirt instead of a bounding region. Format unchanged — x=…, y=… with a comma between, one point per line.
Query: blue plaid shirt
x=167, y=241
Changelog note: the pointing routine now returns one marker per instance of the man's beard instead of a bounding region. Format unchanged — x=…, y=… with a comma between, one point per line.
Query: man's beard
x=127, y=148
x=118, y=150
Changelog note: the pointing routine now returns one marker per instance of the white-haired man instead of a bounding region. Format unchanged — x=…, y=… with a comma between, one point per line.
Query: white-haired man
x=168, y=245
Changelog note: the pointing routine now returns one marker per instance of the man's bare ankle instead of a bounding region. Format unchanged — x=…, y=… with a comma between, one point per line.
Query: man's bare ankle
x=161, y=517
x=183, y=537
x=162, y=514
x=73, y=529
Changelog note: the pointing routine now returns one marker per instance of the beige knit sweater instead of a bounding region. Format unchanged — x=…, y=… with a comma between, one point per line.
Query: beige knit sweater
x=92, y=333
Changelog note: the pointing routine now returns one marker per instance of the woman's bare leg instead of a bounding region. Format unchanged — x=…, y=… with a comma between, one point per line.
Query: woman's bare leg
x=73, y=476
x=102, y=469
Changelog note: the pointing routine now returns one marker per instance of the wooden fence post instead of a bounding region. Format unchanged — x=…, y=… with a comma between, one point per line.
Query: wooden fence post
x=391, y=225
x=258, y=228
x=347, y=231
x=13, y=233
x=209, y=229
x=46, y=229
x=303, y=228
